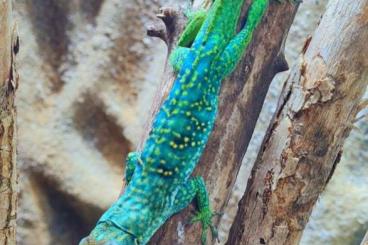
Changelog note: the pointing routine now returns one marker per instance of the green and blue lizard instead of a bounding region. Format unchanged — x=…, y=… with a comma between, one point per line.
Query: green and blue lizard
x=158, y=178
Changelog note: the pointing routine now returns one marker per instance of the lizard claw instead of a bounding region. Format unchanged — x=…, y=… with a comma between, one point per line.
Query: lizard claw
x=214, y=233
x=205, y=218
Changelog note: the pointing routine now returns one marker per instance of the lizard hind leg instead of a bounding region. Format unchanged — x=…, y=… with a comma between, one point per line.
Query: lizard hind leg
x=205, y=213
x=132, y=162
x=195, y=188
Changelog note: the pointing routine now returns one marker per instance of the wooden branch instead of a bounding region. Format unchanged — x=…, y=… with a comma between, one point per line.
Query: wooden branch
x=8, y=84
x=174, y=23
x=241, y=101
x=365, y=239
x=304, y=142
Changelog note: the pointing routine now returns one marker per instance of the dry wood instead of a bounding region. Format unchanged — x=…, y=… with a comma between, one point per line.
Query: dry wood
x=304, y=142
x=365, y=239
x=8, y=84
x=241, y=100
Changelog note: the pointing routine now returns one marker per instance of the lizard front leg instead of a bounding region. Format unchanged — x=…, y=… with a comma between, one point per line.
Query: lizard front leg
x=196, y=188
x=132, y=163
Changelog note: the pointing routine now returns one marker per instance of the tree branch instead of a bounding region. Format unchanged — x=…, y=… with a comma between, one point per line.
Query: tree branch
x=304, y=142
x=241, y=100
x=365, y=239
x=8, y=83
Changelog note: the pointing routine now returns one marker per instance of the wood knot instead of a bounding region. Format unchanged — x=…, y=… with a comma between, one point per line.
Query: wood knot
x=174, y=22
x=168, y=15
x=157, y=31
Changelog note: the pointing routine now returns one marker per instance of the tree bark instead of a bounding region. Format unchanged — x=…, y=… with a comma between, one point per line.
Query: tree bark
x=365, y=239
x=8, y=85
x=241, y=100
x=304, y=142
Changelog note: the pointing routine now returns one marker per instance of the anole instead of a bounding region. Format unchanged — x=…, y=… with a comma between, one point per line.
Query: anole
x=159, y=182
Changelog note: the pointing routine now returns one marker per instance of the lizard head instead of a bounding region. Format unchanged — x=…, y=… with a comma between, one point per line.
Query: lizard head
x=108, y=234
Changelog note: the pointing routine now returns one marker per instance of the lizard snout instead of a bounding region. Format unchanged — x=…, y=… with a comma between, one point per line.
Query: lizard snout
x=90, y=241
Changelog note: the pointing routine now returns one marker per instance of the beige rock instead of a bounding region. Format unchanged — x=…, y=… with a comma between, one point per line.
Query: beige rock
x=88, y=74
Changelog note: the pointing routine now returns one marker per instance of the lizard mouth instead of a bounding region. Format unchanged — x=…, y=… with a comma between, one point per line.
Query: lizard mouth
x=119, y=227
x=91, y=241
x=109, y=233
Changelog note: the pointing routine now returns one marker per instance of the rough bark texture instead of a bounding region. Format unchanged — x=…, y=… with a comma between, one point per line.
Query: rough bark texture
x=71, y=148
x=241, y=100
x=88, y=70
x=365, y=239
x=304, y=142
x=8, y=85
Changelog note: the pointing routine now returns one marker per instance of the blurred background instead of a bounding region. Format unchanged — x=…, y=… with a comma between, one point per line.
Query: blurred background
x=88, y=76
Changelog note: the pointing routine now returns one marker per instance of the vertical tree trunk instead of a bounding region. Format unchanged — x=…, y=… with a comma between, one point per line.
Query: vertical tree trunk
x=304, y=142
x=241, y=100
x=8, y=84
x=365, y=239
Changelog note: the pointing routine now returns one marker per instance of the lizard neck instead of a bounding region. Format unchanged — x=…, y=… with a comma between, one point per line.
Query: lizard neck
x=216, y=32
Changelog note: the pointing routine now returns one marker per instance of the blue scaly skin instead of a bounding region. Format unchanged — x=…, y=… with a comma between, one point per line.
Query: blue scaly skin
x=159, y=182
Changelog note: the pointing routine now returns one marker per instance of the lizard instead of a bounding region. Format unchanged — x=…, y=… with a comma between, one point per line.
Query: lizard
x=159, y=182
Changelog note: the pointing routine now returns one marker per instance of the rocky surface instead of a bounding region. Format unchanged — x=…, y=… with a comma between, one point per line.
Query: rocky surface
x=88, y=75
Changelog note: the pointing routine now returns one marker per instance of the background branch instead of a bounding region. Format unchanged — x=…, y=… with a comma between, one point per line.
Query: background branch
x=8, y=83
x=304, y=142
x=365, y=239
x=241, y=100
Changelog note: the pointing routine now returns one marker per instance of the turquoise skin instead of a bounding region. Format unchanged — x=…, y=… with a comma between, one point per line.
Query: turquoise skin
x=159, y=182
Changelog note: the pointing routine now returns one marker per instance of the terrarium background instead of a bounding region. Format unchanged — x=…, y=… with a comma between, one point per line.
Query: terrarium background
x=88, y=76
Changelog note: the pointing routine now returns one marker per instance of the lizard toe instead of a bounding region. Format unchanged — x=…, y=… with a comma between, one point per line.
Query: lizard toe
x=205, y=218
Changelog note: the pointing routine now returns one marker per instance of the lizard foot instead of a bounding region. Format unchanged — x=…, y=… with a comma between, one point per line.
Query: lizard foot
x=205, y=218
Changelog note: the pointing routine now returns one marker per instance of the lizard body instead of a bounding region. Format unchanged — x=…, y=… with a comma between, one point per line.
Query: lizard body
x=159, y=182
